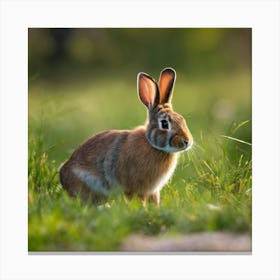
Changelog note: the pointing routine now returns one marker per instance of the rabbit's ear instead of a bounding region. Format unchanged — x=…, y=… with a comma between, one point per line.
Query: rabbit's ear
x=147, y=90
x=166, y=83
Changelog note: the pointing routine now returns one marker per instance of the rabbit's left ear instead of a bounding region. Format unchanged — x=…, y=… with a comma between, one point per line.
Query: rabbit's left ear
x=166, y=84
x=147, y=90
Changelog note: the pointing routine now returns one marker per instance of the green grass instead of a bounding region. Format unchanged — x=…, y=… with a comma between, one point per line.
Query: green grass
x=211, y=189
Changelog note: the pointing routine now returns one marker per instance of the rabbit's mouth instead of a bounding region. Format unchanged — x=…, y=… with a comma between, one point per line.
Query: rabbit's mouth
x=180, y=143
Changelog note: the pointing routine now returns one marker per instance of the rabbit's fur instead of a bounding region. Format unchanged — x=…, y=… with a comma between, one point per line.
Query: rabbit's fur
x=142, y=160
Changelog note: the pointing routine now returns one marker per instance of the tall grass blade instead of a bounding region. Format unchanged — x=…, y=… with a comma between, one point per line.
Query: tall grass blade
x=237, y=140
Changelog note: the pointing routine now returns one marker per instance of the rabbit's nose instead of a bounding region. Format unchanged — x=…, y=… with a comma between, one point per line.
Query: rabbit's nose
x=186, y=142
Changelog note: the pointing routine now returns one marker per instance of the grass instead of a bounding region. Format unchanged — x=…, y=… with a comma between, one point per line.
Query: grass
x=211, y=189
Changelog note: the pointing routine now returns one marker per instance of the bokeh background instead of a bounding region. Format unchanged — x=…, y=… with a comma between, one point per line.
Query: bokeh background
x=82, y=81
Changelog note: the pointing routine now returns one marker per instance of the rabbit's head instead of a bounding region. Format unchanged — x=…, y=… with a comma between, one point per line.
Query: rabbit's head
x=166, y=129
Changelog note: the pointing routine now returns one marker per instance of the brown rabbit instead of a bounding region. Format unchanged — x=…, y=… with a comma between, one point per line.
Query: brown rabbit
x=142, y=160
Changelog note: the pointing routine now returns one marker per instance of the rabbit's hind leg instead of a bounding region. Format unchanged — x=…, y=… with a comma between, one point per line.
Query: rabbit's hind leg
x=91, y=181
x=80, y=182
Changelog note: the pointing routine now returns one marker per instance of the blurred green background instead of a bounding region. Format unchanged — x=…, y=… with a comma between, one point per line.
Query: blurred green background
x=83, y=81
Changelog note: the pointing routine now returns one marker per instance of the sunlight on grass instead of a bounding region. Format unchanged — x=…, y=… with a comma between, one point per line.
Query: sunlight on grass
x=208, y=201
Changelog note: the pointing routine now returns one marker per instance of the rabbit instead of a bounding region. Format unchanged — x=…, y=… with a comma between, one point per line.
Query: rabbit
x=142, y=160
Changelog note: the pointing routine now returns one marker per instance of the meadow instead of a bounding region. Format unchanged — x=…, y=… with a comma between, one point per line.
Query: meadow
x=211, y=189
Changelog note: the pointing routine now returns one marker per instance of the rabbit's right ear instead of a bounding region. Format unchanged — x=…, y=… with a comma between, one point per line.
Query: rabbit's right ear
x=166, y=83
x=147, y=90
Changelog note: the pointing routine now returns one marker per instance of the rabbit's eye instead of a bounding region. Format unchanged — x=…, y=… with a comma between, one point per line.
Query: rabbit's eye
x=164, y=124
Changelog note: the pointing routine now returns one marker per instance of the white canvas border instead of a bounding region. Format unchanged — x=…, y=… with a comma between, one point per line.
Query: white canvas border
x=17, y=16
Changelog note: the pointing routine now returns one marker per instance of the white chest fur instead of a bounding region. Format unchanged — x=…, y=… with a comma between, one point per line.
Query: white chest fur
x=162, y=181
